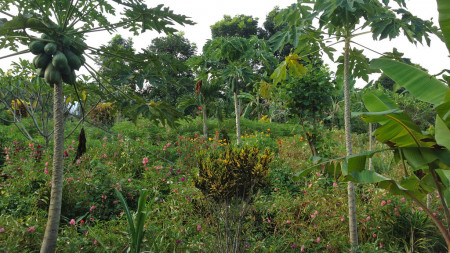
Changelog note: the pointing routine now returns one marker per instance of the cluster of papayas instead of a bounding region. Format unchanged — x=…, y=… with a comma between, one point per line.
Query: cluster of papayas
x=57, y=59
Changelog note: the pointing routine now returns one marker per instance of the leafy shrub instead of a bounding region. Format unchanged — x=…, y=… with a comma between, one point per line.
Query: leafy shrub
x=234, y=173
x=103, y=113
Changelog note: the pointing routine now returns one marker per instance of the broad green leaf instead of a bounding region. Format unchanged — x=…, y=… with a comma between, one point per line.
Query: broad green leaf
x=444, y=19
x=367, y=177
x=442, y=133
x=419, y=83
x=397, y=129
x=418, y=157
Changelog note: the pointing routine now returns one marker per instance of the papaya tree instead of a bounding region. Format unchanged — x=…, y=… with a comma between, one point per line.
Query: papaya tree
x=55, y=32
x=342, y=21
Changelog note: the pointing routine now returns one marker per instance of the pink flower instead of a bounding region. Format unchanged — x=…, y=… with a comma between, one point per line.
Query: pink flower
x=115, y=202
x=72, y=222
x=45, y=170
x=374, y=235
x=105, y=138
x=182, y=179
x=199, y=228
x=402, y=200
x=383, y=203
x=198, y=112
x=368, y=218
x=92, y=208
x=145, y=160
x=95, y=242
x=129, y=179
x=302, y=248
x=342, y=219
x=318, y=239
x=334, y=184
x=2, y=230
x=31, y=229
x=200, y=108
x=389, y=201
x=288, y=222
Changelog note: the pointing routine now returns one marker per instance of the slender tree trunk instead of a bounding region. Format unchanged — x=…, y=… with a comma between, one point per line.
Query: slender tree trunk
x=353, y=225
x=370, y=146
x=54, y=212
x=238, y=119
x=205, y=126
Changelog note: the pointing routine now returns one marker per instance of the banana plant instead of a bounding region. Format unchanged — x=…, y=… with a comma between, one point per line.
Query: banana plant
x=136, y=226
x=425, y=156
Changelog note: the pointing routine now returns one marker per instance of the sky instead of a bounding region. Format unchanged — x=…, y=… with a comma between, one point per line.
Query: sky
x=207, y=12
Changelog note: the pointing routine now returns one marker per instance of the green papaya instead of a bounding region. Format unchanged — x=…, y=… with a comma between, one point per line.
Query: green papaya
x=40, y=72
x=52, y=76
x=37, y=47
x=60, y=61
x=66, y=42
x=82, y=59
x=78, y=47
x=45, y=37
x=70, y=78
x=66, y=70
x=50, y=48
x=73, y=59
x=41, y=60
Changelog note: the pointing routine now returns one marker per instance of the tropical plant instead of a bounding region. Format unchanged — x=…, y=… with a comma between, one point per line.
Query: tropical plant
x=424, y=155
x=339, y=20
x=61, y=50
x=136, y=226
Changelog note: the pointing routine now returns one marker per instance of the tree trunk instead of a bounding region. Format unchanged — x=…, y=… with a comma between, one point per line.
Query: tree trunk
x=370, y=146
x=238, y=120
x=353, y=225
x=205, y=126
x=54, y=212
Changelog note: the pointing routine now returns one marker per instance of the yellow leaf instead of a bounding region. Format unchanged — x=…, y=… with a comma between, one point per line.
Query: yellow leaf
x=83, y=94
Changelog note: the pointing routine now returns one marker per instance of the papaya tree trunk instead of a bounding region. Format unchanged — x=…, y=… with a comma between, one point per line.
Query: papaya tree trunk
x=238, y=119
x=54, y=212
x=205, y=126
x=353, y=225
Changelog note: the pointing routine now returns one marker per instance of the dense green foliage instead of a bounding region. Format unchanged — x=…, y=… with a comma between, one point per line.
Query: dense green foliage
x=226, y=150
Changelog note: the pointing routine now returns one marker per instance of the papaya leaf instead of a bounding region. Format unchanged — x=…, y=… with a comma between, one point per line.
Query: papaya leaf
x=444, y=20
x=419, y=83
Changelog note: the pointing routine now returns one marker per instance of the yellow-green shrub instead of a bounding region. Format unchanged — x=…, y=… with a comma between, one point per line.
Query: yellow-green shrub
x=103, y=113
x=235, y=173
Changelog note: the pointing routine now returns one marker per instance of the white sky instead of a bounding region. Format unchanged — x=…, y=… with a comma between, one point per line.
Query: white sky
x=206, y=12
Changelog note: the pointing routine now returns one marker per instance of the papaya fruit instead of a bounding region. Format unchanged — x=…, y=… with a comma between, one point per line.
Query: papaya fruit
x=73, y=60
x=66, y=42
x=60, y=61
x=40, y=72
x=37, y=47
x=70, y=78
x=45, y=37
x=50, y=48
x=52, y=76
x=82, y=59
x=41, y=60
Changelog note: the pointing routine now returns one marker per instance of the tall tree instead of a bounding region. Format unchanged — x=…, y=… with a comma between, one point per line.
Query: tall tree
x=63, y=25
x=239, y=26
x=174, y=50
x=342, y=21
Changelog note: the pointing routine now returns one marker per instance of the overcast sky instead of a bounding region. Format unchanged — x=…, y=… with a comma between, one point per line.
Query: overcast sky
x=207, y=12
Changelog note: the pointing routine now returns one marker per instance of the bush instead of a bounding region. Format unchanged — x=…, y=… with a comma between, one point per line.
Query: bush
x=103, y=113
x=234, y=173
